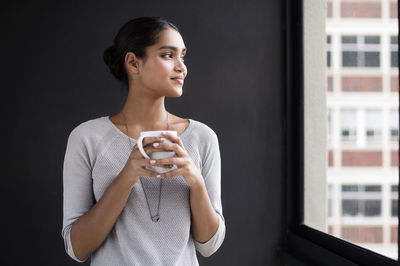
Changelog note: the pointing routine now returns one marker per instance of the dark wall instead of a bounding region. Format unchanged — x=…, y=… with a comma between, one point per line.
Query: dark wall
x=54, y=78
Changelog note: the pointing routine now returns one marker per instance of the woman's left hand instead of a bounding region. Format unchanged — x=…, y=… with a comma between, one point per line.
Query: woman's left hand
x=185, y=165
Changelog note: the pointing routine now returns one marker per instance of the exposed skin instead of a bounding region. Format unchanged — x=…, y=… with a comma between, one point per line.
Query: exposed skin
x=149, y=83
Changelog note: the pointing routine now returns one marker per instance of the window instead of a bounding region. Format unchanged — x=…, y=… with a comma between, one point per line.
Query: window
x=394, y=54
x=394, y=200
x=329, y=125
x=348, y=125
x=341, y=215
x=328, y=50
x=394, y=125
x=330, y=200
x=361, y=200
x=373, y=125
x=360, y=51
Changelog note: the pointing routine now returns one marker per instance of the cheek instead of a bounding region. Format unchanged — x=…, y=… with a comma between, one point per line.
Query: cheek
x=164, y=68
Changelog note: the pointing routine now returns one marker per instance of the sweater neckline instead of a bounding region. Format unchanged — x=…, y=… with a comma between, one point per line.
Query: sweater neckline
x=108, y=121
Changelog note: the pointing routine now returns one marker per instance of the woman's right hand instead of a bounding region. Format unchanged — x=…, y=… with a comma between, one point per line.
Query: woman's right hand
x=136, y=163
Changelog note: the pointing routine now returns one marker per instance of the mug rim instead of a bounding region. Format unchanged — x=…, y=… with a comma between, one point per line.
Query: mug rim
x=157, y=132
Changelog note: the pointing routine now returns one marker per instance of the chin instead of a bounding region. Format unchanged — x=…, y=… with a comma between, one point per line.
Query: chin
x=176, y=92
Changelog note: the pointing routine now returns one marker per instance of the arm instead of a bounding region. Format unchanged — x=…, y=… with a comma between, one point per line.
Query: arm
x=204, y=219
x=208, y=223
x=90, y=230
x=86, y=224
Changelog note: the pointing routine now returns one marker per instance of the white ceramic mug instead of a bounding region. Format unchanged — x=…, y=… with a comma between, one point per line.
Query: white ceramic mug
x=158, y=154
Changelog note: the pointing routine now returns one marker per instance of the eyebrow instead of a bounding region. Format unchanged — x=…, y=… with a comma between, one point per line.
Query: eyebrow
x=172, y=48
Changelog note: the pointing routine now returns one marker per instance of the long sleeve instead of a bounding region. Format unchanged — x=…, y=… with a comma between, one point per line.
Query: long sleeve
x=211, y=172
x=78, y=192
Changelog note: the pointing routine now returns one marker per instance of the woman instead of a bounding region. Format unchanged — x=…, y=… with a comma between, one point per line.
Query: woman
x=118, y=211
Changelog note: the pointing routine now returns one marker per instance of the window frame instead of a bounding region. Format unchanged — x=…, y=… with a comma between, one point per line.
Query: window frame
x=304, y=245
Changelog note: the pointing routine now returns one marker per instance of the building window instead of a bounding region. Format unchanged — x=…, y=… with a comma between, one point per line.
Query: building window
x=330, y=200
x=348, y=125
x=394, y=199
x=394, y=47
x=328, y=50
x=394, y=125
x=361, y=200
x=360, y=51
x=329, y=125
x=373, y=125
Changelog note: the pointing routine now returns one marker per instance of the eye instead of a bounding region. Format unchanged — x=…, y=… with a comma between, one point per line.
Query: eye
x=169, y=54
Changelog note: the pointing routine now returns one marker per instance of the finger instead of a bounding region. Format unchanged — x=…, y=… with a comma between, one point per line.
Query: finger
x=169, y=136
x=148, y=150
x=173, y=138
x=147, y=172
x=145, y=163
x=150, y=173
x=153, y=162
x=178, y=161
x=148, y=162
x=168, y=146
x=177, y=171
x=149, y=140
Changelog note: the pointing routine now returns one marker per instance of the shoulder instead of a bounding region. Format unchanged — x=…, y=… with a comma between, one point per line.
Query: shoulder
x=203, y=128
x=203, y=132
x=89, y=133
x=85, y=137
x=206, y=140
x=90, y=127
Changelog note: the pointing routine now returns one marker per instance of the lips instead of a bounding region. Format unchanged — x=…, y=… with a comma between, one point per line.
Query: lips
x=178, y=79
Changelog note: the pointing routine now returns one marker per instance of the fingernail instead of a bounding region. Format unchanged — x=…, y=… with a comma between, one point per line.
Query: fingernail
x=155, y=144
x=152, y=161
x=158, y=176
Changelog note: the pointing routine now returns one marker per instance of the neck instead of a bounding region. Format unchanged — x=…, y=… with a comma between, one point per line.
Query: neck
x=145, y=111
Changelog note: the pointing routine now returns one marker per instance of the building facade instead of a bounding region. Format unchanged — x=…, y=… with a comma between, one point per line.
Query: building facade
x=363, y=122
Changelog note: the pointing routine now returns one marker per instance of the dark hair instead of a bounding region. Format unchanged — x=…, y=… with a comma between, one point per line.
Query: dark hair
x=134, y=36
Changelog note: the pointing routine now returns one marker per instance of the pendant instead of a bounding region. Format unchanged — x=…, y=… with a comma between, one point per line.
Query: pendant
x=156, y=218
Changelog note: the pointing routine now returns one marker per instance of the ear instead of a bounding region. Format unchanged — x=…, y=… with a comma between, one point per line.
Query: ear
x=131, y=63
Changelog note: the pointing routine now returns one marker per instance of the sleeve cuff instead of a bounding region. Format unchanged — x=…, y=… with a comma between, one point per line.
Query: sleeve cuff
x=68, y=244
x=212, y=245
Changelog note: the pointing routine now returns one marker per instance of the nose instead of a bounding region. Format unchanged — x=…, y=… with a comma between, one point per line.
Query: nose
x=180, y=66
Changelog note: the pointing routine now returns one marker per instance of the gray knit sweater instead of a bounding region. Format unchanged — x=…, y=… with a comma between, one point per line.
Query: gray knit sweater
x=95, y=154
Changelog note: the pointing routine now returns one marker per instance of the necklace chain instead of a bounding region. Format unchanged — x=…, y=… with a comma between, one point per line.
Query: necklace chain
x=156, y=217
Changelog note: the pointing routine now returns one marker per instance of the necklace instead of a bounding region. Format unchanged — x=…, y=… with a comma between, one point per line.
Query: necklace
x=156, y=217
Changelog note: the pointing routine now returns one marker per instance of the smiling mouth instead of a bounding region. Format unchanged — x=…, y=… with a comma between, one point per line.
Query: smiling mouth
x=180, y=81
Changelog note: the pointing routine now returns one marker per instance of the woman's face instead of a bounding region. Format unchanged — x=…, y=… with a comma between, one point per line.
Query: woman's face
x=164, y=70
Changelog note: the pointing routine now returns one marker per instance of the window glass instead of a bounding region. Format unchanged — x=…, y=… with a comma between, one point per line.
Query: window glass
x=351, y=122
x=330, y=196
x=360, y=51
x=348, y=125
x=328, y=50
x=361, y=200
x=394, y=48
x=373, y=125
x=394, y=125
x=329, y=124
x=394, y=200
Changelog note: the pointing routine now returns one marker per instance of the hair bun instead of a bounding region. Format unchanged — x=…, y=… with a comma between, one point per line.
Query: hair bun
x=112, y=61
x=110, y=55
